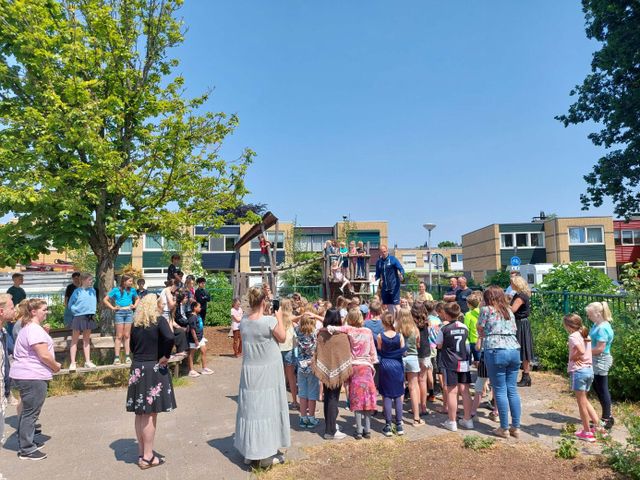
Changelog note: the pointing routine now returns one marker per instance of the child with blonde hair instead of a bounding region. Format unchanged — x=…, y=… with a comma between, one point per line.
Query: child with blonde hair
x=286, y=349
x=308, y=384
x=581, y=372
x=338, y=275
x=601, y=339
x=362, y=389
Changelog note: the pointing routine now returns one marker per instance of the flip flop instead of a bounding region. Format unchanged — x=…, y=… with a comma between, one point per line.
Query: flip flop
x=146, y=464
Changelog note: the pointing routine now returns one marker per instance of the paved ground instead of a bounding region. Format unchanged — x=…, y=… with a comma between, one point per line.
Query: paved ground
x=89, y=435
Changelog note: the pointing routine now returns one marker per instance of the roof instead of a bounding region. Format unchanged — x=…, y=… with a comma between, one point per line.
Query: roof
x=268, y=221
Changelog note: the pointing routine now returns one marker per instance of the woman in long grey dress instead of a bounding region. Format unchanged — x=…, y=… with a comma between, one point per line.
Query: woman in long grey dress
x=262, y=421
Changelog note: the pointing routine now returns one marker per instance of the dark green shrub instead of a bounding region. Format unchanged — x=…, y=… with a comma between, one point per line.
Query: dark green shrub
x=221, y=292
x=626, y=458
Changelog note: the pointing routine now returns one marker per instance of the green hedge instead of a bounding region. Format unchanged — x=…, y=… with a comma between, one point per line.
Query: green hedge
x=550, y=343
x=219, y=308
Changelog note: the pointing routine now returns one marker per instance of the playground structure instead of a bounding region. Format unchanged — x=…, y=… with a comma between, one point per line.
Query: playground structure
x=360, y=286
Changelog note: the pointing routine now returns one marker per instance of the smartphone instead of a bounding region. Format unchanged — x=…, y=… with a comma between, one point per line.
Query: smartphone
x=275, y=303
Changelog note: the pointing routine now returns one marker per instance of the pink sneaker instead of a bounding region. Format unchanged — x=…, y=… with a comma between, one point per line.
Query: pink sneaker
x=586, y=436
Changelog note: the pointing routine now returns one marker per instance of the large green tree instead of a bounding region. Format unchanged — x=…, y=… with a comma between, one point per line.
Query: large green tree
x=99, y=142
x=610, y=96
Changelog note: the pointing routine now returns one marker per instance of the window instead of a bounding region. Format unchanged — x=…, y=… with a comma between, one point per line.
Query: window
x=599, y=265
x=255, y=243
x=522, y=240
x=627, y=237
x=127, y=246
x=154, y=270
x=586, y=235
x=153, y=242
x=409, y=261
x=223, y=243
x=203, y=243
x=506, y=240
x=616, y=237
x=456, y=257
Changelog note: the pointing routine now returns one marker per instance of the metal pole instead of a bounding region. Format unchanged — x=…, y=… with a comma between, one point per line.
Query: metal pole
x=429, y=258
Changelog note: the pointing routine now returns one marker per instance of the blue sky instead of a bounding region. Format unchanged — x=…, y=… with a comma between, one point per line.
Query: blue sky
x=409, y=111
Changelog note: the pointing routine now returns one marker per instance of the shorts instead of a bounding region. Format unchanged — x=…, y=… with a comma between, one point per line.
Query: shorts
x=123, y=317
x=426, y=362
x=453, y=378
x=202, y=341
x=288, y=358
x=582, y=379
x=411, y=364
x=308, y=386
x=602, y=364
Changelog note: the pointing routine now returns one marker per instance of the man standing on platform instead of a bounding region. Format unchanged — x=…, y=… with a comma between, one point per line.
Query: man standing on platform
x=390, y=273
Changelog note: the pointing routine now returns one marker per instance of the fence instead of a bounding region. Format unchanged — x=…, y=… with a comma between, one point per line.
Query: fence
x=623, y=307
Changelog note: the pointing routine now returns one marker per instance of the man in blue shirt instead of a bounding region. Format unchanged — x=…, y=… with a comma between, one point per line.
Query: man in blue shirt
x=390, y=273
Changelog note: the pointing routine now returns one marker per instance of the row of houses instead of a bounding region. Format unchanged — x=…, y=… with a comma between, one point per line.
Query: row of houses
x=601, y=242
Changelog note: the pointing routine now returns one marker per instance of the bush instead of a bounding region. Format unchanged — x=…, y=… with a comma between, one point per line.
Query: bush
x=221, y=292
x=577, y=277
x=55, y=319
x=550, y=344
x=626, y=458
x=475, y=442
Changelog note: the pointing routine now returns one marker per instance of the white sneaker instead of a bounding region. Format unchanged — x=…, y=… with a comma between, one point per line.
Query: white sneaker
x=450, y=425
x=468, y=424
x=193, y=374
x=89, y=365
x=73, y=367
x=275, y=460
x=337, y=436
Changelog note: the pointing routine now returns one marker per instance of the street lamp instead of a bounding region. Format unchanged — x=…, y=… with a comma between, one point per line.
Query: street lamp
x=429, y=227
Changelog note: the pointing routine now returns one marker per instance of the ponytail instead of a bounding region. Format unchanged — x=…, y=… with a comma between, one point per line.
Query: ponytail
x=599, y=309
x=606, y=312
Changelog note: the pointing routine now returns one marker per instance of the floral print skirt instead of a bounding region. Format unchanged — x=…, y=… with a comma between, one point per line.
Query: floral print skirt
x=362, y=389
x=150, y=389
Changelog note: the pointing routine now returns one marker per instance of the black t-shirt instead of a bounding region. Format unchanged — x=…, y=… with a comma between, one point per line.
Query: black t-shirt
x=424, y=349
x=202, y=297
x=193, y=327
x=171, y=272
x=523, y=311
x=461, y=298
x=69, y=291
x=455, y=355
x=153, y=342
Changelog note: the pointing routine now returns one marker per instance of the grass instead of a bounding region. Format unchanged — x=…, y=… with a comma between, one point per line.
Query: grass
x=475, y=442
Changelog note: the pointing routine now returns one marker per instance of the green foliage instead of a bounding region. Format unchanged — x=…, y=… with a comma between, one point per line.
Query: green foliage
x=550, y=342
x=83, y=259
x=98, y=143
x=55, y=319
x=630, y=277
x=501, y=278
x=447, y=244
x=577, y=277
x=609, y=96
x=476, y=442
x=221, y=292
x=626, y=458
x=567, y=447
x=411, y=278
x=445, y=265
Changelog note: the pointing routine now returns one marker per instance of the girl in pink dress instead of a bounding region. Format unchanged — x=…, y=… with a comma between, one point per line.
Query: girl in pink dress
x=362, y=389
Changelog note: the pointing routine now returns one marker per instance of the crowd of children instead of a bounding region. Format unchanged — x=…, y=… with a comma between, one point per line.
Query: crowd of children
x=422, y=349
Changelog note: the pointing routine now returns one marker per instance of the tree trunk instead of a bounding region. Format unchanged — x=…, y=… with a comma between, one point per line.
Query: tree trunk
x=105, y=274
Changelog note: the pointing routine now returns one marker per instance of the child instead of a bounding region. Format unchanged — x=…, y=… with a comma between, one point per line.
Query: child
x=82, y=304
x=436, y=321
x=141, y=291
x=452, y=341
x=353, y=256
x=173, y=267
x=344, y=258
x=202, y=297
x=362, y=389
x=197, y=341
x=308, y=384
x=236, y=317
x=411, y=364
x=432, y=332
x=341, y=306
x=391, y=347
x=481, y=383
x=17, y=295
x=420, y=315
x=287, y=351
x=337, y=273
x=361, y=261
x=471, y=321
x=601, y=338
x=581, y=371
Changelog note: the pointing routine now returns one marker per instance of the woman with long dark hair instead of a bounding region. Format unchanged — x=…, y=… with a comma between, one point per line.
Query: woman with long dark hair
x=497, y=328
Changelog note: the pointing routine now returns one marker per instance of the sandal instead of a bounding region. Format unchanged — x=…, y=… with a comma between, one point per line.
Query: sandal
x=418, y=422
x=144, y=464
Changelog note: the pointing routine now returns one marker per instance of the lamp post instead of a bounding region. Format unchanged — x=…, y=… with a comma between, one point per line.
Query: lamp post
x=429, y=227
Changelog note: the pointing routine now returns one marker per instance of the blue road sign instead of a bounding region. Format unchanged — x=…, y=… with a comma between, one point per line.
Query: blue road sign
x=515, y=261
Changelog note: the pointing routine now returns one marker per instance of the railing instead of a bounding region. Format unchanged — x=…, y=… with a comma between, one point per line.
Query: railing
x=311, y=292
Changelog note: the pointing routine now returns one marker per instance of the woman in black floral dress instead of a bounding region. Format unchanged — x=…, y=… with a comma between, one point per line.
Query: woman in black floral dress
x=150, y=389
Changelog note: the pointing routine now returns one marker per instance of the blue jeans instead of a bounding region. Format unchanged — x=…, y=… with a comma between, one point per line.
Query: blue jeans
x=503, y=366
